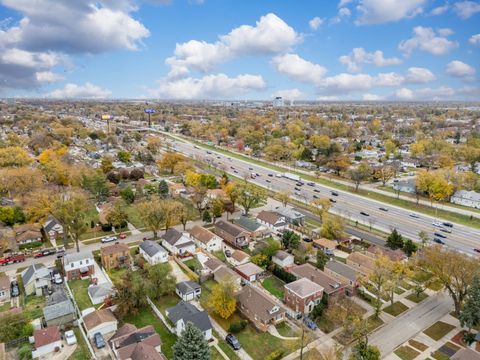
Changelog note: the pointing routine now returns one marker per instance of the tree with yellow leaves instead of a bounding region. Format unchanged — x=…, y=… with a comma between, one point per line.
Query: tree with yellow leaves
x=169, y=161
x=14, y=156
x=321, y=206
x=284, y=197
x=222, y=299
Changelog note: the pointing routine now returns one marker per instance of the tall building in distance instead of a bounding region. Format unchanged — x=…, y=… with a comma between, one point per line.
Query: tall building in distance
x=278, y=101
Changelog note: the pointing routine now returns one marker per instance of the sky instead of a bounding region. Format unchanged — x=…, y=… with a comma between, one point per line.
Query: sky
x=395, y=50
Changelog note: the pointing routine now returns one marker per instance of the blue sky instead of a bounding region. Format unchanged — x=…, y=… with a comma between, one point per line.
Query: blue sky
x=249, y=49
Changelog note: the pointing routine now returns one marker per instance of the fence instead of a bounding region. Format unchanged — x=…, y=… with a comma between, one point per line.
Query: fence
x=187, y=270
x=160, y=316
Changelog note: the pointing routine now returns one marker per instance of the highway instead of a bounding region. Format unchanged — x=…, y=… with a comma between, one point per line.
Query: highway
x=347, y=205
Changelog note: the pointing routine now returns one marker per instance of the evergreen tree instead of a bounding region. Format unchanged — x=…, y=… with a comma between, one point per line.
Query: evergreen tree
x=409, y=247
x=191, y=345
x=322, y=259
x=470, y=315
x=163, y=189
x=395, y=240
x=206, y=217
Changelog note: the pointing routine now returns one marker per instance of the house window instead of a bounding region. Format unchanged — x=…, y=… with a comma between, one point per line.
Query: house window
x=80, y=262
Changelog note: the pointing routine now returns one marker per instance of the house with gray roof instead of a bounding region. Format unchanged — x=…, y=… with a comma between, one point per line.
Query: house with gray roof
x=344, y=274
x=35, y=278
x=52, y=228
x=60, y=313
x=98, y=293
x=177, y=243
x=283, y=259
x=153, y=252
x=232, y=233
x=188, y=290
x=255, y=229
x=291, y=215
x=183, y=313
x=78, y=264
x=466, y=198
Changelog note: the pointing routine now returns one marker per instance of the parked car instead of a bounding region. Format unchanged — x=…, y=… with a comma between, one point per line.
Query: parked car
x=307, y=239
x=413, y=215
x=57, y=279
x=298, y=193
x=107, y=239
x=437, y=223
x=332, y=200
x=315, y=196
x=311, y=183
x=233, y=342
x=70, y=337
x=310, y=323
x=14, y=289
x=334, y=193
x=122, y=236
x=316, y=190
x=477, y=250
x=99, y=341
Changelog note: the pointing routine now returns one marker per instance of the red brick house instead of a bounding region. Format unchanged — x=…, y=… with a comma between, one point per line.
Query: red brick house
x=302, y=295
x=78, y=265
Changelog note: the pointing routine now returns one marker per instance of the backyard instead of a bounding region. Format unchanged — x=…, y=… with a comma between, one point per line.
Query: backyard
x=80, y=292
x=274, y=286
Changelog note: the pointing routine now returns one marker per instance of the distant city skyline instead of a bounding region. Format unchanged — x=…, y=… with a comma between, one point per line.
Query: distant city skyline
x=392, y=50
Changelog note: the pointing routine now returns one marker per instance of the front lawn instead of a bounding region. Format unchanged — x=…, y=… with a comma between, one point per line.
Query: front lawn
x=80, y=293
x=396, y=309
x=274, y=286
x=416, y=299
x=438, y=330
x=406, y=353
x=227, y=349
x=417, y=345
x=220, y=255
x=285, y=330
x=146, y=317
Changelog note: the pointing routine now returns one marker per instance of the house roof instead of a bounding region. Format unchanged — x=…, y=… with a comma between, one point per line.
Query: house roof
x=303, y=287
x=186, y=287
x=256, y=302
x=229, y=228
x=224, y=273
x=308, y=271
x=269, y=217
x=239, y=255
x=282, y=255
x=100, y=290
x=201, y=234
x=34, y=272
x=289, y=213
x=189, y=313
x=50, y=224
x=114, y=249
x=28, y=235
x=57, y=310
x=325, y=243
x=171, y=236
x=143, y=351
x=98, y=317
x=128, y=338
x=212, y=264
x=46, y=336
x=394, y=255
x=342, y=269
x=77, y=256
x=362, y=259
x=247, y=223
x=467, y=195
x=249, y=269
x=151, y=247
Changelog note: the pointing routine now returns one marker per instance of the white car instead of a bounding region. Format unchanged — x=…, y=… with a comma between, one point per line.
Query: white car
x=57, y=279
x=107, y=239
x=70, y=337
x=278, y=175
x=437, y=223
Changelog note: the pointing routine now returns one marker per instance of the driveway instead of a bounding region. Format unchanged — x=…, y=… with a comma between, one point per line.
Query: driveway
x=179, y=274
x=411, y=322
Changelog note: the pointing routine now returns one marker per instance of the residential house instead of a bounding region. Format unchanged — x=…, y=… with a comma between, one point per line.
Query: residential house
x=224, y=273
x=238, y=257
x=115, y=256
x=291, y=215
x=332, y=288
x=325, y=245
x=98, y=293
x=466, y=198
x=232, y=234
x=52, y=228
x=393, y=255
x=177, y=243
x=153, y=252
x=130, y=343
x=211, y=265
x=188, y=290
x=361, y=262
x=283, y=259
x=46, y=341
x=261, y=309
x=407, y=186
x=205, y=239
x=249, y=271
x=183, y=313
x=343, y=274
x=28, y=233
x=78, y=265
x=302, y=295
x=59, y=313
x=36, y=278
x=272, y=220
x=254, y=228
x=4, y=288
x=100, y=321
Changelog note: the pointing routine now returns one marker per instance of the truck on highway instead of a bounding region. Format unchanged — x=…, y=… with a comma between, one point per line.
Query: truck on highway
x=13, y=258
x=253, y=175
x=291, y=176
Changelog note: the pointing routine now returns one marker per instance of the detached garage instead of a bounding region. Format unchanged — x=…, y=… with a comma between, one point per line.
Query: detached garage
x=102, y=321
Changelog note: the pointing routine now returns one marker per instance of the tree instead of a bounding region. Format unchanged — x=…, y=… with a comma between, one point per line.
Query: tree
x=361, y=173
x=170, y=161
x=398, y=272
x=106, y=164
x=222, y=299
x=14, y=326
x=191, y=345
x=163, y=189
x=424, y=237
x=321, y=206
x=152, y=213
x=284, y=197
x=96, y=184
x=127, y=195
x=250, y=196
x=206, y=217
x=160, y=281
x=332, y=227
x=173, y=209
x=378, y=279
x=199, y=197
x=10, y=215
x=117, y=216
x=395, y=240
x=14, y=156
x=136, y=174
x=322, y=259
x=185, y=215
x=124, y=156
x=453, y=269
x=261, y=260
x=409, y=247
x=339, y=163
x=130, y=295
x=290, y=240
x=217, y=208
x=363, y=351
x=384, y=173
x=470, y=314
x=232, y=192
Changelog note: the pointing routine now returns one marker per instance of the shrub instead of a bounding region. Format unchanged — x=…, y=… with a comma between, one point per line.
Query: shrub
x=106, y=227
x=282, y=274
x=468, y=338
x=275, y=355
x=237, y=326
x=31, y=245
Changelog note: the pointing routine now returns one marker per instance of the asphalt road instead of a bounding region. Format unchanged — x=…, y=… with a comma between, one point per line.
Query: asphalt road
x=348, y=205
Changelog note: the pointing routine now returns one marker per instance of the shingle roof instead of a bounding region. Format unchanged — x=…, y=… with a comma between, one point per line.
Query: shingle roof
x=249, y=269
x=185, y=287
x=29, y=273
x=114, y=249
x=258, y=303
x=290, y=213
x=342, y=269
x=212, y=264
x=223, y=273
x=46, y=336
x=229, y=228
x=189, y=313
x=100, y=290
x=329, y=284
x=151, y=247
x=303, y=287
x=247, y=223
x=77, y=256
x=50, y=224
x=55, y=311
x=239, y=255
x=282, y=255
x=98, y=317
x=269, y=217
x=171, y=236
x=201, y=234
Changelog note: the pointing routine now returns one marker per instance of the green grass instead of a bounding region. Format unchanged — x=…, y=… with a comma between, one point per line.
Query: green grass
x=399, y=291
x=285, y=330
x=220, y=255
x=396, y=309
x=5, y=307
x=416, y=299
x=227, y=349
x=406, y=353
x=214, y=354
x=33, y=306
x=134, y=216
x=116, y=275
x=405, y=285
x=80, y=292
x=146, y=317
x=438, y=330
x=82, y=351
x=374, y=323
x=274, y=286
x=417, y=345
x=193, y=264
x=406, y=204
x=166, y=302
x=440, y=355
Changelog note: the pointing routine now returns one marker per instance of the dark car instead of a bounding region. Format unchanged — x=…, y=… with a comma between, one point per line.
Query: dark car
x=307, y=239
x=311, y=184
x=439, y=241
x=334, y=193
x=228, y=253
x=316, y=190
x=332, y=200
x=296, y=188
x=233, y=342
x=447, y=230
x=364, y=213
x=383, y=209
x=477, y=250
x=14, y=289
x=268, y=181
x=450, y=225
x=440, y=235
x=98, y=339
x=250, y=168
x=271, y=175
x=315, y=196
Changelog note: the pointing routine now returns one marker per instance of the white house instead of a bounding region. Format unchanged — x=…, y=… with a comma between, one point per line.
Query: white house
x=46, y=341
x=205, y=239
x=466, y=198
x=78, y=264
x=35, y=278
x=100, y=321
x=153, y=252
x=52, y=228
x=177, y=243
x=188, y=290
x=283, y=259
x=272, y=220
x=184, y=312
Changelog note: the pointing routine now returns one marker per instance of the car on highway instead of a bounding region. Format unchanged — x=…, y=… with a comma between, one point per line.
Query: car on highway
x=233, y=342
x=250, y=168
x=447, y=224
x=440, y=235
x=383, y=208
x=271, y=175
x=315, y=196
x=332, y=200
x=437, y=223
x=107, y=239
x=268, y=181
x=447, y=230
x=278, y=175
x=218, y=157
x=316, y=190
x=231, y=167
x=296, y=188
x=196, y=147
x=311, y=183
x=413, y=215
x=439, y=241
x=258, y=174
x=477, y=250
x=334, y=193
x=235, y=171
x=364, y=213
x=298, y=193
x=299, y=184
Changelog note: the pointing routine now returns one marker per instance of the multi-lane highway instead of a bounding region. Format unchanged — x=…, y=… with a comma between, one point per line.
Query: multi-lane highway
x=353, y=207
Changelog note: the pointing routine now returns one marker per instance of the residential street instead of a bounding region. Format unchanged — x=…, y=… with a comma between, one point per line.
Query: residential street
x=410, y=323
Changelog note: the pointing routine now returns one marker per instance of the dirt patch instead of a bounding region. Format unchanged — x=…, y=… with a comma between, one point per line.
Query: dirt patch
x=417, y=345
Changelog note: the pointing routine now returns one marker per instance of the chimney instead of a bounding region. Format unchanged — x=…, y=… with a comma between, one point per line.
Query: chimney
x=312, y=277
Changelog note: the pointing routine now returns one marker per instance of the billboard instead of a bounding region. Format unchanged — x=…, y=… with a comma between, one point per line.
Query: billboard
x=149, y=111
x=106, y=117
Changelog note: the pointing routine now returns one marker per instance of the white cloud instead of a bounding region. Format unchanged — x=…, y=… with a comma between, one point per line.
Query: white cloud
x=346, y=83
x=289, y=94
x=48, y=77
x=426, y=39
x=474, y=39
x=460, y=69
x=342, y=3
x=440, y=10
x=315, y=23
x=418, y=75
x=404, y=94
x=382, y=11
x=388, y=80
x=445, y=32
x=372, y=97
x=74, y=91
x=270, y=35
x=465, y=9
x=218, y=86
x=328, y=98
x=298, y=69
x=440, y=93
x=359, y=56
x=343, y=12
